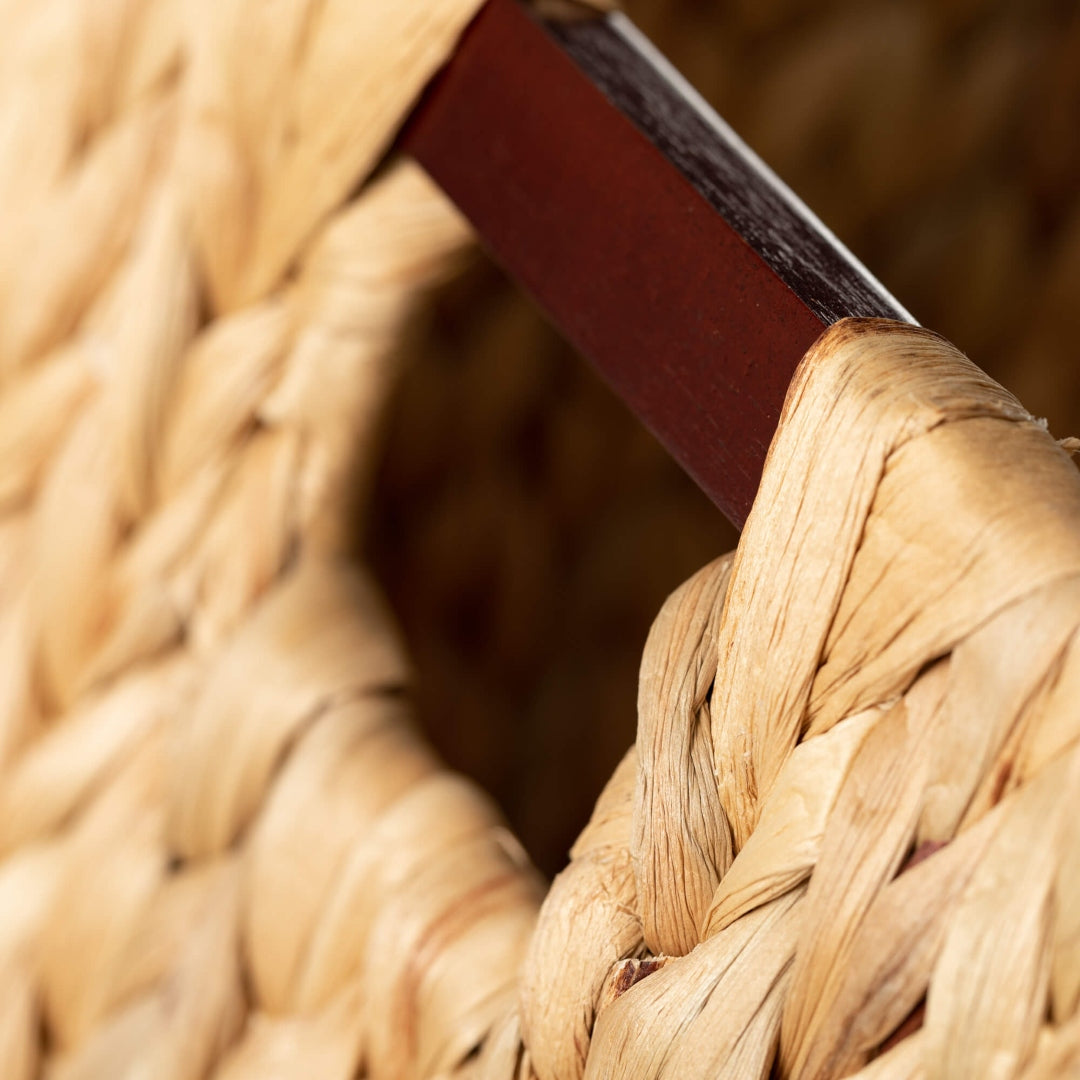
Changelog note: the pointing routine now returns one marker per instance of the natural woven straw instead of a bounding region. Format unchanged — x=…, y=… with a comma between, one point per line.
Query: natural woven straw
x=225, y=851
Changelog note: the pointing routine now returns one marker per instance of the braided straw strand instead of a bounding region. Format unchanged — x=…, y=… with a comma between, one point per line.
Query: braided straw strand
x=883, y=672
x=845, y=842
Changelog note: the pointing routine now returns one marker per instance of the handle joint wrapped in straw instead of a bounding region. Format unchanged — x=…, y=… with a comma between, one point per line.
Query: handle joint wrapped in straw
x=844, y=841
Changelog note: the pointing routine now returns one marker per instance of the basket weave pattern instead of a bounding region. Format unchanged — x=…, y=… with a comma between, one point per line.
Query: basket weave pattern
x=226, y=852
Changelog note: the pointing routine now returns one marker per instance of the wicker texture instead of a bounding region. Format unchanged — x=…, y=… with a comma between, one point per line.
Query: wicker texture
x=200, y=699
x=856, y=785
x=227, y=853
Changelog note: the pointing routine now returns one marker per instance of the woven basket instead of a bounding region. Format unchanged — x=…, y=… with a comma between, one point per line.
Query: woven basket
x=844, y=840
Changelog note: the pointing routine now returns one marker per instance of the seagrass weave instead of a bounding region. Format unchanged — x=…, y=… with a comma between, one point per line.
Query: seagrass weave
x=845, y=842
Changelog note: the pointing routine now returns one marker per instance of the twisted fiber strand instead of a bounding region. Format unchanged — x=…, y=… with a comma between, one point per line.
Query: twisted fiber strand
x=226, y=851
x=857, y=775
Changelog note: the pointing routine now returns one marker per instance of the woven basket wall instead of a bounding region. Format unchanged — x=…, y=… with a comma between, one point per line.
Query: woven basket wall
x=228, y=852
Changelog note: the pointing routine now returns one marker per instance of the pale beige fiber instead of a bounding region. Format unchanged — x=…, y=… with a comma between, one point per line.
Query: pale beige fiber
x=857, y=772
x=224, y=850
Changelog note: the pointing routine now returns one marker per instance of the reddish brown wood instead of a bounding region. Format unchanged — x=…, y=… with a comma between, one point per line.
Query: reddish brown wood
x=687, y=323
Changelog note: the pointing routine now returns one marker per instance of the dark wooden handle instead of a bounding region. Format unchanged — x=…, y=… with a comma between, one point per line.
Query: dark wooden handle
x=603, y=187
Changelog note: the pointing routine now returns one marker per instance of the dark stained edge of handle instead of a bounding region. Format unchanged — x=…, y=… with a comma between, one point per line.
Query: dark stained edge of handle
x=653, y=239
x=753, y=200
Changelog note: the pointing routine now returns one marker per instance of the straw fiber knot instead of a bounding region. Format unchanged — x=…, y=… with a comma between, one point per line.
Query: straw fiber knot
x=855, y=790
x=225, y=851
